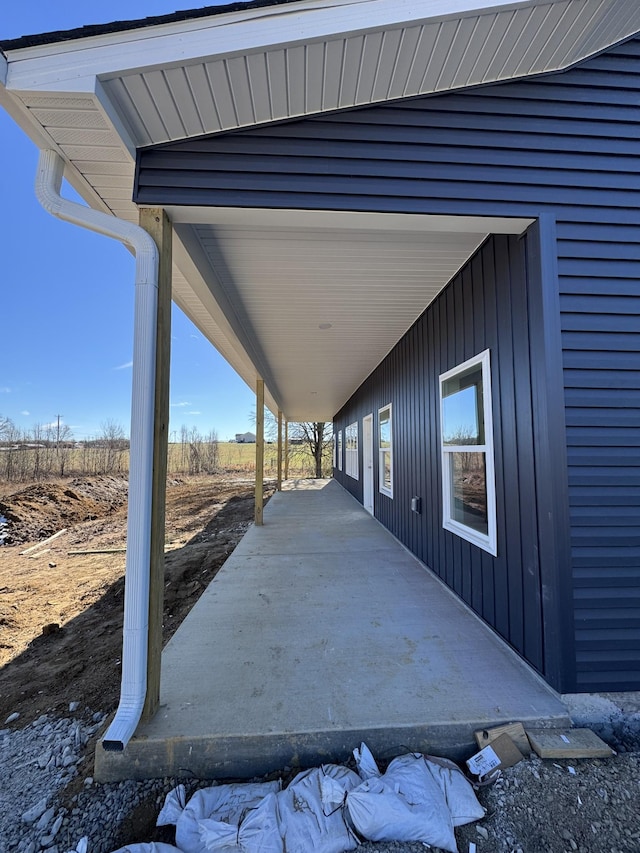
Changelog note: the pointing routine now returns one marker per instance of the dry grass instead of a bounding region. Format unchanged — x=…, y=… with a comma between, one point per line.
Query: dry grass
x=232, y=458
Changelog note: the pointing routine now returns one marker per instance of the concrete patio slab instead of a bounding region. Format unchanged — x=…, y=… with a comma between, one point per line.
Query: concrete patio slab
x=320, y=631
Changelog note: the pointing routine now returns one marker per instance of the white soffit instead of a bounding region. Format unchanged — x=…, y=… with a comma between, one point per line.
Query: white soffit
x=317, y=298
x=172, y=81
x=229, y=91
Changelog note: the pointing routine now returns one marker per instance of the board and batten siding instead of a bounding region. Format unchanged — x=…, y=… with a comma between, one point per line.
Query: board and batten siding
x=564, y=148
x=484, y=307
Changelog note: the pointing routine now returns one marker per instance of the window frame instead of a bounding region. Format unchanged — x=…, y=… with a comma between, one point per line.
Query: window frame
x=488, y=541
x=382, y=488
x=339, y=450
x=351, y=450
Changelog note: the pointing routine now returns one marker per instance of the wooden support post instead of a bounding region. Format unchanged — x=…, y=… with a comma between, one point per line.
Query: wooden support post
x=259, y=450
x=286, y=450
x=279, y=451
x=156, y=222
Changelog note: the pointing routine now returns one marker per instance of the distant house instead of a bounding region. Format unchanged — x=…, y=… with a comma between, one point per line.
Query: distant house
x=245, y=438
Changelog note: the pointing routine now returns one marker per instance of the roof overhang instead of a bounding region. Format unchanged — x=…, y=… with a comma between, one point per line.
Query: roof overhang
x=97, y=96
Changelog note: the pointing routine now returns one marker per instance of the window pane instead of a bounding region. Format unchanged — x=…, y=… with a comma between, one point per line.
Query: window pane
x=385, y=429
x=462, y=408
x=468, y=491
x=386, y=469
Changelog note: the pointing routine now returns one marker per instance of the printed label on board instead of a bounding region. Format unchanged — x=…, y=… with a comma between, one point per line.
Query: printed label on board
x=483, y=762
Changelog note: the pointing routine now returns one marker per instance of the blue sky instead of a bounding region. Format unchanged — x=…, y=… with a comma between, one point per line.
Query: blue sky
x=66, y=294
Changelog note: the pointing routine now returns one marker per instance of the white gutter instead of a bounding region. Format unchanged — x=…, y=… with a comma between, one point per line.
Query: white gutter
x=136, y=597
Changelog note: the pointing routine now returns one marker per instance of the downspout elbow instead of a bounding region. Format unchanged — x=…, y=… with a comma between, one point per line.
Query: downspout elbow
x=136, y=602
x=48, y=187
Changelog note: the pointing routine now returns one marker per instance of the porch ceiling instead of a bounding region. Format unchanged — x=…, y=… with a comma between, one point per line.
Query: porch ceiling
x=318, y=298
x=259, y=291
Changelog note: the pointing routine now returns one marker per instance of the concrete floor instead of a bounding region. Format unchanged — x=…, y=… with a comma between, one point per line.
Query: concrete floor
x=321, y=631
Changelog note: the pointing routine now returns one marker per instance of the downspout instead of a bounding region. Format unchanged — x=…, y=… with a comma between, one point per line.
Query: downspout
x=136, y=596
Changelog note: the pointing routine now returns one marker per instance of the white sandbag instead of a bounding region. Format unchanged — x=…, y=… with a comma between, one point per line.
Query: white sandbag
x=311, y=811
x=151, y=847
x=258, y=831
x=365, y=763
x=308, y=816
x=82, y=846
x=458, y=791
x=224, y=803
x=173, y=806
x=405, y=804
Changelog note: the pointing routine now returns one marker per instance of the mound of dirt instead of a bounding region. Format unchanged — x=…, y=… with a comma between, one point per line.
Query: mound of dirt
x=39, y=511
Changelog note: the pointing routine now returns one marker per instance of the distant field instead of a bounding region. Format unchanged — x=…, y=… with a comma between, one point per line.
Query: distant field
x=231, y=457
x=234, y=457
x=29, y=464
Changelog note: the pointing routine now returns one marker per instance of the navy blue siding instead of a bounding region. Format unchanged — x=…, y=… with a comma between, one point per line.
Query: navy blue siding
x=565, y=148
x=484, y=306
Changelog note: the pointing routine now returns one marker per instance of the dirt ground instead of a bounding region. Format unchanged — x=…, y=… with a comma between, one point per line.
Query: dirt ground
x=61, y=634
x=61, y=612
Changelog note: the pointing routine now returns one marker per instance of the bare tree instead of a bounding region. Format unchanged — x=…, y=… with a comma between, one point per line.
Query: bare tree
x=8, y=437
x=212, y=452
x=199, y=454
x=64, y=447
x=7, y=428
x=113, y=442
x=312, y=439
x=316, y=438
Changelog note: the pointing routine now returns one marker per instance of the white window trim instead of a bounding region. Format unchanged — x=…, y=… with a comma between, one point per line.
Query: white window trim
x=351, y=453
x=339, y=450
x=381, y=486
x=488, y=542
x=335, y=445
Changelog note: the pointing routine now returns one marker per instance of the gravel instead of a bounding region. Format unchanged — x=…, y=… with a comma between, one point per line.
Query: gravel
x=51, y=803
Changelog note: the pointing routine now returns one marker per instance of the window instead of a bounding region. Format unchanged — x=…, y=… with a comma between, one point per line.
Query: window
x=351, y=450
x=468, y=480
x=335, y=442
x=385, y=451
x=339, y=450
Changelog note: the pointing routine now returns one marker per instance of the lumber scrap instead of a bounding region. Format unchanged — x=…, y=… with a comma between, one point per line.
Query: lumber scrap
x=44, y=542
x=515, y=731
x=568, y=743
x=96, y=551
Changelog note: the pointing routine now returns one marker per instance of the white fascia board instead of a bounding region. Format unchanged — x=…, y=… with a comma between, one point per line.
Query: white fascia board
x=113, y=118
x=346, y=220
x=72, y=65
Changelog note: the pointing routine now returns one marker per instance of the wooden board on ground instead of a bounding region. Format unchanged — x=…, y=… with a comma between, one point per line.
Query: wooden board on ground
x=515, y=731
x=568, y=743
x=43, y=542
x=97, y=551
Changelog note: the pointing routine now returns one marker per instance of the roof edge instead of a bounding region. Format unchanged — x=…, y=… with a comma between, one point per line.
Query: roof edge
x=90, y=30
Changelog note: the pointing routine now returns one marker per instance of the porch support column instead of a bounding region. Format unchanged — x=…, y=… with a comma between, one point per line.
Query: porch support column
x=286, y=450
x=279, y=450
x=156, y=222
x=259, y=450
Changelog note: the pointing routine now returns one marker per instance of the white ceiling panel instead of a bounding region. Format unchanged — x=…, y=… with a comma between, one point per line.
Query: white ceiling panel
x=284, y=283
